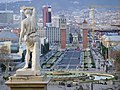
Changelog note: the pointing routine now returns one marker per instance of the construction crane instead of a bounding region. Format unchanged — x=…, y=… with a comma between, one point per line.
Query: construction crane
x=115, y=24
x=117, y=19
x=102, y=7
x=93, y=22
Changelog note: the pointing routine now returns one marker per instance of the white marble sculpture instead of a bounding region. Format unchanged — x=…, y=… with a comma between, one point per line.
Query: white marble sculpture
x=75, y=39
x=31, y=38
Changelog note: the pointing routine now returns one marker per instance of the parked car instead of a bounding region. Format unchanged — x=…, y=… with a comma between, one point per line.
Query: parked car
x=69, y=85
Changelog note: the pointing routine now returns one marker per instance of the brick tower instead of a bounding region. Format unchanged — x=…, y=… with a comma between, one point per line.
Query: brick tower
x=85, y=35
x=63, y=26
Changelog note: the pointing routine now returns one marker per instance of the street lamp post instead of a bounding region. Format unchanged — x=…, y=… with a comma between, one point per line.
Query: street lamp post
x=91, y=84
x=108, y=46
x=109, y=51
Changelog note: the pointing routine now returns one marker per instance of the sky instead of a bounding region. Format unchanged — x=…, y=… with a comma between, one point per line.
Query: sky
x=12, y=0
x=102, y=2
x=48, y=0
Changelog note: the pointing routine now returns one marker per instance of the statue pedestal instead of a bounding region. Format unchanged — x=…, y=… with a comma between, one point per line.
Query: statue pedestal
x=29, y=72
x=27, y=81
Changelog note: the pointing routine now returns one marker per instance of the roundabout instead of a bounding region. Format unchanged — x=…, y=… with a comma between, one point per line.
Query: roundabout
x=78, y=76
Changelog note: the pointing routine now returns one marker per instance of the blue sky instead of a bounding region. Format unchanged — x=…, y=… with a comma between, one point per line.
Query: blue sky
x=102, y=2
x=12, y=0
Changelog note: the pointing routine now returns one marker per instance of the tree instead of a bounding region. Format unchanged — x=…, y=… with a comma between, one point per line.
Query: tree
x=70, y=38
x=104, y=51
x=116, y=57
x=4, y=52
x=4, y=57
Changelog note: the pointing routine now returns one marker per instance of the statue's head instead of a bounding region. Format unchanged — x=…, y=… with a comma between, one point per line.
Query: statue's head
x=28, y=12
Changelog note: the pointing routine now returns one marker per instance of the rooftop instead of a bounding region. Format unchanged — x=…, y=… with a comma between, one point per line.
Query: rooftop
x=111, y=38
x=8, y=34
x=8, y=11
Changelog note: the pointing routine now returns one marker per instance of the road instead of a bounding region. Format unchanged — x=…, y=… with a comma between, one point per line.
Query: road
x=70, y=60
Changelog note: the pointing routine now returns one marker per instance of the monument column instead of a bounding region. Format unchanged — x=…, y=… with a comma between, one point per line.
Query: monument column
x=85, y=34
x=63, y=27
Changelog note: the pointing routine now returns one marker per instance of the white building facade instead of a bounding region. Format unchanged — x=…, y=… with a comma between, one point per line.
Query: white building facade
x=6, y=17
x=53, y=35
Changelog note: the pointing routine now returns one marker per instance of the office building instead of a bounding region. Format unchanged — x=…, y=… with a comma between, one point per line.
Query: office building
x=6, y=17
x=46, y=16
x=42, y=32
x=10, y=38
x=55, y=21
x=53, y=35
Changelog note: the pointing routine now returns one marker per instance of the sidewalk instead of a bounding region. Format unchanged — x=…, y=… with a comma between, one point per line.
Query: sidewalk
x=98, y=61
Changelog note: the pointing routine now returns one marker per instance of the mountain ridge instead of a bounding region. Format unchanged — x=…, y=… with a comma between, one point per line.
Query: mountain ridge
x=59, y=4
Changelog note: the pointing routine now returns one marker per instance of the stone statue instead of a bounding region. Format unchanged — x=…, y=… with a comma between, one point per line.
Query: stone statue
x=75, y=39
x=31, y=38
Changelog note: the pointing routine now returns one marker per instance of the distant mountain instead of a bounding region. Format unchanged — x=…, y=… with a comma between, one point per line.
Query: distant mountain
x=59, y=4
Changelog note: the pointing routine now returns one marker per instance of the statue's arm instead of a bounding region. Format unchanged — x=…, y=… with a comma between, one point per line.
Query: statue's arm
x=32, y=8
x=33, y=13
x=34, y=17
x=21, y=33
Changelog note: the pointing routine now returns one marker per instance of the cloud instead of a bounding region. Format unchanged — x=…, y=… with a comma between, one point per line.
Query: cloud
x=75, y=2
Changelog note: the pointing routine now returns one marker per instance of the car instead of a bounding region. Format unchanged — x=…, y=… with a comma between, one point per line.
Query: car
x=69, y=85
x=62, y=83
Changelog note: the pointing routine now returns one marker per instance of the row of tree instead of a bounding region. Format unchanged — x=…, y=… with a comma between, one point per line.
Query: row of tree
x=4, y=57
